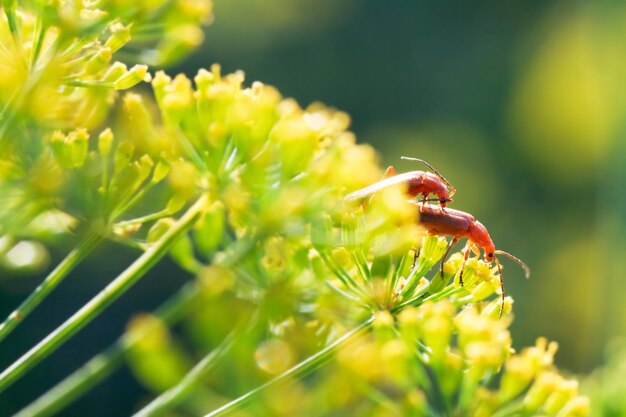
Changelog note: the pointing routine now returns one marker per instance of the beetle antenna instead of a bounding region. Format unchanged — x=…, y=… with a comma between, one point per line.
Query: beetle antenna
x=428, y=200
x=517, y=260
x=432, y=168
x=501, y=287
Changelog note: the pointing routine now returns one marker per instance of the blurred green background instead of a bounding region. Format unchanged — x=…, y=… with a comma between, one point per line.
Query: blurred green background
x=520, y=104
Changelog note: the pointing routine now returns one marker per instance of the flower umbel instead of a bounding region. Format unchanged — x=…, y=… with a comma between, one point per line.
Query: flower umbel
x=244, y=190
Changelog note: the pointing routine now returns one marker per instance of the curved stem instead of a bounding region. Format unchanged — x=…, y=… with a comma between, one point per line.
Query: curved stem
x=103, y=365
x=300, y=369
x=176, y=394
x=109, y=294
x=50, y=283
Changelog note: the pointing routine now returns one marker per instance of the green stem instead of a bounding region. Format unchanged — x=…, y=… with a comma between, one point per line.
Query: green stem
x=379, y=397
x=191, y=380
x=300, y=369
x=514, y=409
x=40, y=34
x=340, y=273
x=50, y=283
x=12, y=21
x=145, y=219
x=109, y=294
x=104, y=364
x=131, y=200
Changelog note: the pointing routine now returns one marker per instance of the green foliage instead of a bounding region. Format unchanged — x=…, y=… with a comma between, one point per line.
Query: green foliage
x=244, y=189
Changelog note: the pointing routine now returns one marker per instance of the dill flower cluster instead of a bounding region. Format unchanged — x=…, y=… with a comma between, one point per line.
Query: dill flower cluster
x=60, y=79
x=244, y=189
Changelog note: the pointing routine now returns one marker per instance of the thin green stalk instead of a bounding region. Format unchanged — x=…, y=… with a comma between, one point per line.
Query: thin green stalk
x=12, y=21
x=190, y=150
x=145, y=219
x=395, y=277
x=129, y=201
x=191, y=380
x=515, y=408
x=343, y=276
x=50, y=283
x=40, y=34
x=104, y=364
x=109, y=294
x=379, y=397
x=300, y=369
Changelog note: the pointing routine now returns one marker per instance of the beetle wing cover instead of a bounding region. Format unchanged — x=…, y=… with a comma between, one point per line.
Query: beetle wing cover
x=387, y=182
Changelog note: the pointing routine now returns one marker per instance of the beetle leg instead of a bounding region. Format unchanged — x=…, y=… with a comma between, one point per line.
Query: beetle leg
x=389, y=172
x=501, y=286
x=453, y=242
x=466, y=251
x=416, y=255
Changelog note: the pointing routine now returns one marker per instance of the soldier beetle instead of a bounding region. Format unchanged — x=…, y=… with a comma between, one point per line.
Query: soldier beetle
x=418, y=183
x=459, y=225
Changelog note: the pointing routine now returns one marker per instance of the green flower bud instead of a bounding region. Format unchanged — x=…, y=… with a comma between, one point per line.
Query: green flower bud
x=138, y=116
x=516, y=378
x=204, y=79
x=120, y=35
x=565, y=392
x=177, y=100
x=182, y=253
x=209, y=230
x=159, y=228
x=123, y=155
x=175, y=204
x=484, y=289
x=545, y=384
x=60, y=148
x=178, y=43
x=134, y=76
x=105, y=142
x=98, y=61
x=160, y=171
x=78, y=141
x=130, y=178
x=160, y=82
x=215, y=279
x=217, y=134
x=182, y=178
x=115, y=71
x=492, y=310
x=576, y=407
x=296, y=141
x=145, y=167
